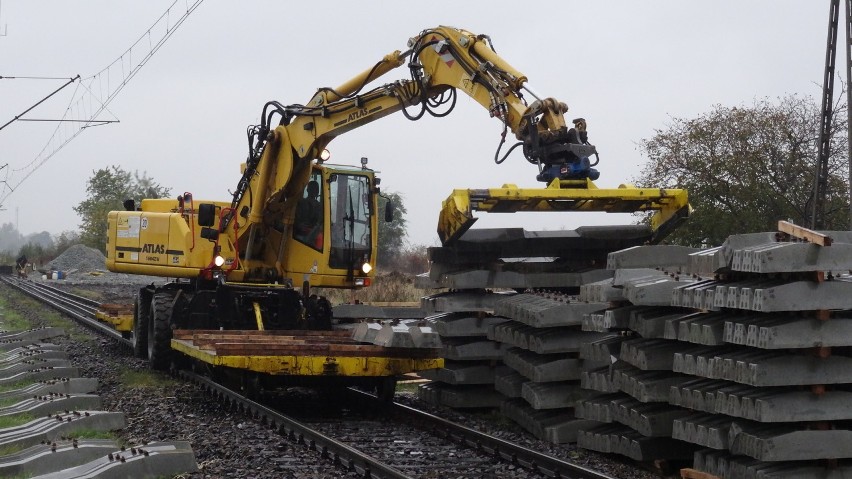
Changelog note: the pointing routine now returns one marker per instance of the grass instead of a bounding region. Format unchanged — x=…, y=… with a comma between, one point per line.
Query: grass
x=408, y=386
x=12, y=449
x=15, y=420
x=22, y=302
x=145, y=379
x=93, y=434
x=94, y=295
x=14, y=386
x=51, y=317
x=391, y=287
x=11, y=320
x=55, y=319
x=10, y=401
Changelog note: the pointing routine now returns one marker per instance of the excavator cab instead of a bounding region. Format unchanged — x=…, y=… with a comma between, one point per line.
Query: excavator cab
x=334, y=228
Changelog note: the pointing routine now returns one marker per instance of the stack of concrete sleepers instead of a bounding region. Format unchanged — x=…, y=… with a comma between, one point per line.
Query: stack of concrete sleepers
x=471, y=360
x=533, y=370
x=50, y=405
x=543, y=384
x=747, y=366
x=631, y=405
x=770, y=397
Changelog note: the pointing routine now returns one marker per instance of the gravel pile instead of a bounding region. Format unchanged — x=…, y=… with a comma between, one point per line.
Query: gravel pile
x=78, y=258
x=86, y=266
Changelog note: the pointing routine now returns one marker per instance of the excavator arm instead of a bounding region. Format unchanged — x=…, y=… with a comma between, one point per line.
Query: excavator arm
x=441, y=61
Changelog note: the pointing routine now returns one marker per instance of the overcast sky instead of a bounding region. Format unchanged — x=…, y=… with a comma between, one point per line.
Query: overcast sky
x=628, y=67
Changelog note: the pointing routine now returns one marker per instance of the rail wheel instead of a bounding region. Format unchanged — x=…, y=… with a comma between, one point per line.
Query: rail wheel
x=141, y=318
x=250, y=385
x=160, y=331
x=386, y=388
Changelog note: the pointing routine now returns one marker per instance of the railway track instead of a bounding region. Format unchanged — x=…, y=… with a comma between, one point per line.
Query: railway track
x=80, y=308
x=399, y=443
x=460, y=447
x=407, y=443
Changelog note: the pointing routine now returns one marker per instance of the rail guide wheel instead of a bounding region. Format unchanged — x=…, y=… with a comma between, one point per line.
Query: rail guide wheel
x=386, y=388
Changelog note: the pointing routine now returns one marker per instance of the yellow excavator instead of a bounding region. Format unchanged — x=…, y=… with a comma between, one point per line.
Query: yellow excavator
x=296, y=222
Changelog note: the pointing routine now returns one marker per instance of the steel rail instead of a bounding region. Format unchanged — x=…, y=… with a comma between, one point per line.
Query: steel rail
x=53, y=298
x=76, y=298
x=341, y=454
x=530, y=459
x=56, y=297
x=79, y=308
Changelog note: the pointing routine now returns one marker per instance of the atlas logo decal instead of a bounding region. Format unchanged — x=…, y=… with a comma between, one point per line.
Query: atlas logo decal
x=154, y=248
x=357, y=114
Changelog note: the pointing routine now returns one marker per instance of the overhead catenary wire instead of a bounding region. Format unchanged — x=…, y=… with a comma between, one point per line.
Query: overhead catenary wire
x=88, y=103
x=18, y=77
x=17, y=117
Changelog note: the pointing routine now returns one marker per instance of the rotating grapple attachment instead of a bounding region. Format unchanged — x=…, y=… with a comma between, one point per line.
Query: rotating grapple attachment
x=563, y=153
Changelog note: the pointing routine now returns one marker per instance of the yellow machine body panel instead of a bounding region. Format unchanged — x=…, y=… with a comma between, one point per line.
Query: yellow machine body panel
x=159, y=240
x=163, y=239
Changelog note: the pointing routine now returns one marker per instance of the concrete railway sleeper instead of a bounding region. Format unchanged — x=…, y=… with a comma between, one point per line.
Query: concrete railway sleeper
x=56, y=424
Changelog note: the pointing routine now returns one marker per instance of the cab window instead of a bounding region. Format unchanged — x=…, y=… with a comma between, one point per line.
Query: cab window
x=351, y=235
x=308, y=224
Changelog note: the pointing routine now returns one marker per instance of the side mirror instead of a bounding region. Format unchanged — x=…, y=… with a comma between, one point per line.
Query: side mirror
x=389, y=212
x=206, y=214
x=209, y=234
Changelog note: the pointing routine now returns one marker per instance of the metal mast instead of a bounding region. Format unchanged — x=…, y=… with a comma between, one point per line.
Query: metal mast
x=817, y=219
x=817, y=214
x=849, y=99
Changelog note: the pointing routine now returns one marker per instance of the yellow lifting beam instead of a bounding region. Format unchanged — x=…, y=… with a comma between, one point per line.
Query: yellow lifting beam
x=670, y=206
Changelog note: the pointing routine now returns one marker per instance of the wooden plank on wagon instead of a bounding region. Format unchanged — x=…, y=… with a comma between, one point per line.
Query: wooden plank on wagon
x=688, y=473
x=806, y=234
